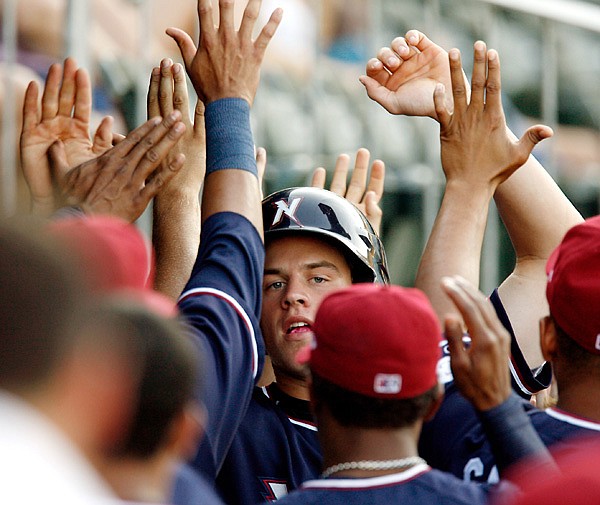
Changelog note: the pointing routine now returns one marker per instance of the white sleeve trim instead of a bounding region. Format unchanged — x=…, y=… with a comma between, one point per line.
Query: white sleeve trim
x=241, y=312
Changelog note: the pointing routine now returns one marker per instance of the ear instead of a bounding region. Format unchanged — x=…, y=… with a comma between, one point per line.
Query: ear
x=435, y=404
x=548, y=338
x=186, y=431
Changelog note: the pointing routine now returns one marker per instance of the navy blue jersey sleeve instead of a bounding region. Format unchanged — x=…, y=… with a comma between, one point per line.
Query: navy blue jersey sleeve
x=221, y=303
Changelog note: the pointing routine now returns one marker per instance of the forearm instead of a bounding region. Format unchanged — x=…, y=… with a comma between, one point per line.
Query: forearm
x=454, y=245
x=231, y=183
x=512, y=436
x=176, y=237
x=536, y=214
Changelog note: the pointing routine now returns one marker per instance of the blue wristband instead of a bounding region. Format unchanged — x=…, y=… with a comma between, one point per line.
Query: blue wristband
x=229, y=143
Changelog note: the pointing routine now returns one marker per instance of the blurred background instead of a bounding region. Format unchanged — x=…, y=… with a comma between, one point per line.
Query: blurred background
x=310, y=106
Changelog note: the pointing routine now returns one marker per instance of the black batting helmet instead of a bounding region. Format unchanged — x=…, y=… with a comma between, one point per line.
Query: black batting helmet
x=333, y=218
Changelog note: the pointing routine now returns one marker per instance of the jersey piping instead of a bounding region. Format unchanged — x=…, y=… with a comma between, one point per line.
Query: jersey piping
x=570, y=419
x=238, y=308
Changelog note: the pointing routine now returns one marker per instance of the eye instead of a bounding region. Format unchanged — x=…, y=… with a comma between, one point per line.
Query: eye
x=274, y=286
x=319, y=280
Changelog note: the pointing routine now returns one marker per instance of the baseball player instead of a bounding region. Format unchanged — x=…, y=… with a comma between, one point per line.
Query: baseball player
x=316, y=241
x=374, y=381
x=536, y=214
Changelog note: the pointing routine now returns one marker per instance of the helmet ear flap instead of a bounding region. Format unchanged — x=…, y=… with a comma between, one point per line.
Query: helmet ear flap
x=335, y=219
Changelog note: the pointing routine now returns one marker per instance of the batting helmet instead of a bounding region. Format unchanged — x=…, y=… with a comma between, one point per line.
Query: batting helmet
x=333, y=218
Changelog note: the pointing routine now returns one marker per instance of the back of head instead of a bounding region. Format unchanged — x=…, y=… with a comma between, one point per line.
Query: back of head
x=168, y=378
x=41, y=298
x=379, y=344
x=332, y=218
x=573, y=288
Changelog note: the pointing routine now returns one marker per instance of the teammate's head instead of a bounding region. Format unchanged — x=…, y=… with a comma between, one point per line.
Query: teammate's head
x=41, y=298
x=376, y=346
x=316, y=242
x=573, y=293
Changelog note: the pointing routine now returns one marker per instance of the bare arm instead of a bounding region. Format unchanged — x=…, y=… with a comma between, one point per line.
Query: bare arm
x=176, y=211
x=477, y=155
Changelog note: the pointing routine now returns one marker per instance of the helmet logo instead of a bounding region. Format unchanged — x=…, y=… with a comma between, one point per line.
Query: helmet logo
x=286, y=209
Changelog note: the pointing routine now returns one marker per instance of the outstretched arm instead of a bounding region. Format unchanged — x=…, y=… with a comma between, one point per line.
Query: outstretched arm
x=477, y=155
x=176, y=210
x=366, y=196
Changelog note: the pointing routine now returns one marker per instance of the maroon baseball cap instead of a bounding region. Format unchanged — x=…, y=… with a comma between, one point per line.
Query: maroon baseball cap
x=114, y=257
x=573, y=288
x=377, y=340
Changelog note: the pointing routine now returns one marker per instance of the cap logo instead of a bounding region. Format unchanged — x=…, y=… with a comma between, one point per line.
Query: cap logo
x=286, y=209
x=598, y=341
x=388, y=384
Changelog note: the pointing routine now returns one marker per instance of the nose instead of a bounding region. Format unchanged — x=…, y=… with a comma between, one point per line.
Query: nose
x=295, y=294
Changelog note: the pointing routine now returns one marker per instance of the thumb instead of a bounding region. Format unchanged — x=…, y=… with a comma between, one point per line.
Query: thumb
x=534, y=135
x=57, y=158
x=374, y=89
x=185, y=43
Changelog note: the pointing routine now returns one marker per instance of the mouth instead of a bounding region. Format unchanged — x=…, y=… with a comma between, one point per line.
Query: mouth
x=299, y=330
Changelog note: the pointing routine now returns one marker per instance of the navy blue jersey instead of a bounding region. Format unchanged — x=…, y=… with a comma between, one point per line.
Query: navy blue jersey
x=418, y=485
x=274, y=451
x=190, y=488
x=221, y=303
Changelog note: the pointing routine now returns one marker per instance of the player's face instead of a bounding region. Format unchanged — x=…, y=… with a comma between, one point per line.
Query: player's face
x=299, y=273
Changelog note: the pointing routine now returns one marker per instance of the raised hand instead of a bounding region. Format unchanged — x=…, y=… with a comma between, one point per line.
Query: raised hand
x=64, y=114
x=365, y=196
x=476, y=145
x=402, y=77
x=226, y=63
x=481, y=371
x=123, y=180
x=168, y=92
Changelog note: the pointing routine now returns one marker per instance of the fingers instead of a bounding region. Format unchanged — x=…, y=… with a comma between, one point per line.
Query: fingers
x=266, y=34
x=180, y=100
x=249, y=19
x=51, y=90
x=318, y=178
x=199, y=130
x=439, y=103
x=117, y=138
x=377, y=71
x=493, y=96
x=419, y=40
x=358, y=181
x=478, y=78
x=186, y=45
x=534, y=135
x=103, y=138
x=83, y=96
x=226, y=16
x=205, y=14
x=66, y=99
x=377, y=179
x=459, y=91
x=155, y=146
x=373, y=210
x=31, y=110
x=152, y=97
x=340, y=175
x=159, y=179
x=389, y=58
x=57, y=158
x=454, y=334
x=165, y=90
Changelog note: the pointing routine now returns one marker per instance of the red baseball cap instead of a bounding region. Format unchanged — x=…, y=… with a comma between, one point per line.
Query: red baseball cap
x=376, y=340
x=573, y=288
x=114, y=257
